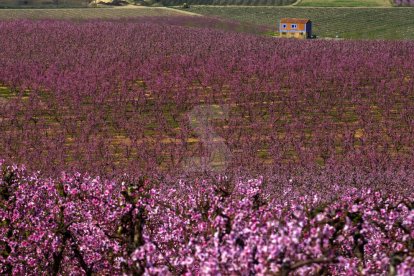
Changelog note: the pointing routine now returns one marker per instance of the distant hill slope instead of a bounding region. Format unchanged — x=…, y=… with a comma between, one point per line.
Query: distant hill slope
x=229, y=2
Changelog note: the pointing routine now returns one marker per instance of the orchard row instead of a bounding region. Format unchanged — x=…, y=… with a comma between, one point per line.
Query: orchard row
x=80, y=225
x=114, y=96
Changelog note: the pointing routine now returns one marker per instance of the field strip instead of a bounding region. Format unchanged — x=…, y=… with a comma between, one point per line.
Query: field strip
x=90, y=13
x=296, y=3
x=345, y=3
x=181, y=11
x=297, y=6
x=160, y=8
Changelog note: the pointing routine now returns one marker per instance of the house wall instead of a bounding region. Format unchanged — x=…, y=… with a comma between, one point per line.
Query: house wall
x=298, y=35
x=302, y=31
x=300, y=26
x=309, y=29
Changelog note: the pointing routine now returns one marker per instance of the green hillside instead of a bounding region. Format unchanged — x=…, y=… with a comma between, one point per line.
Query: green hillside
x=229, y=2
x=356, y=23
x=345, y=3
x=85, y=13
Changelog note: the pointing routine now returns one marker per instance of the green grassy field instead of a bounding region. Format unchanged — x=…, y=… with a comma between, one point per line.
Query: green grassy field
x=85, y=13
x=345, y=3
x=355, y=23
x=229, y=2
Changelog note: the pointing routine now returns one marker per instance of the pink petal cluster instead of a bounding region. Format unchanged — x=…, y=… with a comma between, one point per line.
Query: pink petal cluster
x=78, y=224
x=404, y=2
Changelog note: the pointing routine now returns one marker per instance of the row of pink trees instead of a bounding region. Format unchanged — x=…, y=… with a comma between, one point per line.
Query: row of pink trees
x=106, y=97
x=312, y=142
x=404, y=2
x=78, y=225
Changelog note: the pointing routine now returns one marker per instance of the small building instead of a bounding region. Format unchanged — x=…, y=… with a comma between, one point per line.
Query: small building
x=295, y=27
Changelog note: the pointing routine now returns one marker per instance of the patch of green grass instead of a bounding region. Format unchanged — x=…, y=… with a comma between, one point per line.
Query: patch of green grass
x=345, y=3
x=85, y=13
x=229, y=2
x=360, y=23
x=4, y=92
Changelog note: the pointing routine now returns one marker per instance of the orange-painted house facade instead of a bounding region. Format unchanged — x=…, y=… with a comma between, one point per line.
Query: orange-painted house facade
x=295, y=27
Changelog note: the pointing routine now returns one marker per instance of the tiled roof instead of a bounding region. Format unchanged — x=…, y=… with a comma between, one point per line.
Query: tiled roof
x=294, y=20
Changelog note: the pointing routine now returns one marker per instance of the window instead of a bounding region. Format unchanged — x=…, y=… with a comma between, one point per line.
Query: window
x=294, y=26
x=284, y=26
